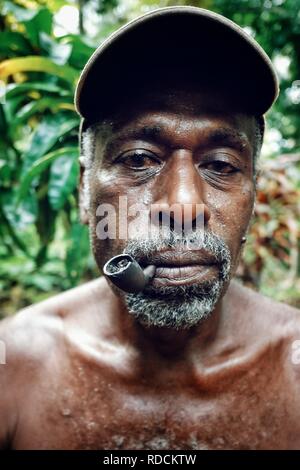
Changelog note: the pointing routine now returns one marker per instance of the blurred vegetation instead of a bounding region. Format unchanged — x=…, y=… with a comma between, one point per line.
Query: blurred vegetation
x=43, y=46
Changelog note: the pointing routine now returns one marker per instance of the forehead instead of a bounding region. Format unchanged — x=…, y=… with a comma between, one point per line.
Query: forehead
x=180, y=105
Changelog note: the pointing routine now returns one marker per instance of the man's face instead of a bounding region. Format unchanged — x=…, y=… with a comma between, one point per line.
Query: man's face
x=187, y=148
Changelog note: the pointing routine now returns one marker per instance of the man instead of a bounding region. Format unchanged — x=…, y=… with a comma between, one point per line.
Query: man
x=172, y=107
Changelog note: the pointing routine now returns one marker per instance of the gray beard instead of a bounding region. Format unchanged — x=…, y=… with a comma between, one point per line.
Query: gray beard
x=178, y=307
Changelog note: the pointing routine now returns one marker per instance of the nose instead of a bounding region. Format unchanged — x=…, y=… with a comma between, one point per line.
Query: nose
x=180, y=198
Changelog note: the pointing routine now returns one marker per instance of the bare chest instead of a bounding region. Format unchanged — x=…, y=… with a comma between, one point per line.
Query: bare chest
x=106, y=414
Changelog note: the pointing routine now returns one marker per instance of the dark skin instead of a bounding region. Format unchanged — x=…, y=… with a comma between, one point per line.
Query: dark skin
x=81, y=373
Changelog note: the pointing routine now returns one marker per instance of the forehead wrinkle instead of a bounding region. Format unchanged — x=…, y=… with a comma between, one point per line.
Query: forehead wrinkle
x=146, y=132
x=163, y=131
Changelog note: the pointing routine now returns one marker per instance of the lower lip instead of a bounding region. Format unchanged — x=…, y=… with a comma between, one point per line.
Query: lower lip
x=179, y=275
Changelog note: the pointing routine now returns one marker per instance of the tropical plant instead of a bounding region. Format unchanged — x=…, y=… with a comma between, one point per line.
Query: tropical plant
x=39, y=151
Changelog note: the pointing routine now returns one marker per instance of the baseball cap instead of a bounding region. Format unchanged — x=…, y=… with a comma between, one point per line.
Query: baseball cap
x=176, y=40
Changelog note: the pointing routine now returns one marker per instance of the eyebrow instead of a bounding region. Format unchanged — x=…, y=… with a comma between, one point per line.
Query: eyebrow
x=158, y=134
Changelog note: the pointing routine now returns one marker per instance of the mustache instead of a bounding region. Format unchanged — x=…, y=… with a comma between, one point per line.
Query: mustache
x=190, y=248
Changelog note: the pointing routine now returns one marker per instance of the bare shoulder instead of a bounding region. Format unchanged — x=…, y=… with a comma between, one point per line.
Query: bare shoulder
x=275, y=324
x=34, y=329
x=267, y=311
x=263, y=320
x=32, y=342
x=26, y=339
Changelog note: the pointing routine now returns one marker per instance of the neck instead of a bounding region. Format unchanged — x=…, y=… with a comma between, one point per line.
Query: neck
x=163, y=341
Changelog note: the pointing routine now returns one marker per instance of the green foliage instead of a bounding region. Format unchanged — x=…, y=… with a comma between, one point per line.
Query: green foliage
x=39, y=153
x=43, y=247
x=277, y=28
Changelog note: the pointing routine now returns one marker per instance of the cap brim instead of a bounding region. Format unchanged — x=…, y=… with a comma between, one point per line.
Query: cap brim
x=215, y=49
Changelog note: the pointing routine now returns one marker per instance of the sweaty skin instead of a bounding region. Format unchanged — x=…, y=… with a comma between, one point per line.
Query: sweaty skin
x=81, y=373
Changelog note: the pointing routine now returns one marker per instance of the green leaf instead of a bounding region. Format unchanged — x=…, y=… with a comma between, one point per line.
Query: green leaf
x=21, y=14
x=14, y=44
x=63, y=178
x=10, y=229
x=3, y=124
x=36, y=107
x=31, y=108
x=34, y=20
x=17, y=88
x=39, y=166
x=78, y=252
x=10, y=107
x=59, y=53
x=37, y=64
x=45, y=225
x=5, y=171
x=23, y=215
x=46, y=136
x=41, y=22
x=81, y=51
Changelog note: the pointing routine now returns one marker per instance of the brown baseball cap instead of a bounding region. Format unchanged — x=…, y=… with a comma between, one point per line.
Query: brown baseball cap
x=177, y=39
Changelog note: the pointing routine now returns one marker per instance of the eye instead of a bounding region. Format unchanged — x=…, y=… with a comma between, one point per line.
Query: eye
x=138, y=159
x=220, y=167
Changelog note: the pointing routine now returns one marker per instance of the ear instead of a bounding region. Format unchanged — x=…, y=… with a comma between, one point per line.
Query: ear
x=83, y=192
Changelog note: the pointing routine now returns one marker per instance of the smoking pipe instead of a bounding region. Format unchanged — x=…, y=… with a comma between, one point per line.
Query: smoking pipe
x=126, y=273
